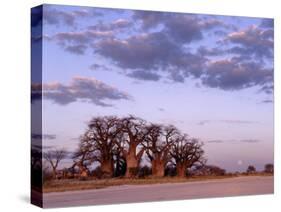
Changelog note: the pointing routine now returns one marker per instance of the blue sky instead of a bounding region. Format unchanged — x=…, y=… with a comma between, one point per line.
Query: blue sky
x=211, y=76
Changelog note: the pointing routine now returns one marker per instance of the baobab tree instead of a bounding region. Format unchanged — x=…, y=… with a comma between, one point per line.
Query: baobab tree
x=186, y=152
x=269, y=168
x=54, y=157
x=84, y=156
x=158, y=142
x=251, y=169
x=118, y=144
x=134, y=133
x=100, y=141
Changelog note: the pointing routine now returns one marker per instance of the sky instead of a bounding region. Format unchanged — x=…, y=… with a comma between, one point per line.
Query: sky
x=209, y=75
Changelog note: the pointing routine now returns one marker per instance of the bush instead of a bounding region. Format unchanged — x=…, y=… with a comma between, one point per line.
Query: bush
x=133, y=171
x=170, y=171
x=144, y=171
x=251, y=170
x=97, y=172
x=47, y=176
x=269, y=168
x=207, y=170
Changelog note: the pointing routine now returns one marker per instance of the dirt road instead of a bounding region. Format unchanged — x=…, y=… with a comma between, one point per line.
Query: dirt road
x=160, y=192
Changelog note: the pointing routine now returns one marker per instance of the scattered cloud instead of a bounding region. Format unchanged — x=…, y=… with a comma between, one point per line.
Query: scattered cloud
x=234, y=75
x=161, y=109
x=268, y=88
x=149, y=52
x=183, y=28
x=159, y=45
x=204, y=51
x=100, y=67
x=115, y=25
x=54, y=16
x=80, y=89
x=267, y=23
x=76, y=49
x=253, y=41
x=83, y=37
x=78, y=42
x=144, y=75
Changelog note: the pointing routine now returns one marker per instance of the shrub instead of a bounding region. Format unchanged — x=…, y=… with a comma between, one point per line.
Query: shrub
x=144, y=171
x=170, y=171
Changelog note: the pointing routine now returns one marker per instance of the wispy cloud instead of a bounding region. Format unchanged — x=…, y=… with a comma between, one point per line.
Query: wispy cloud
x=240, y=57
x=54, y=16
x=218, y=141
x=250, y=140
x=267, y=101
x=215, y=141
x=204, y=122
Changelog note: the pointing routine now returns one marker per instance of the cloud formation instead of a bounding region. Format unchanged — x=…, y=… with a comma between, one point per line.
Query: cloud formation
x=151, y=46
x=79, y=42
x=115, y=25
x=149, y=52
x=54, y=16
x=253, y=41
x=183, y=28
x=80, y=89
x=144, y=75
x=232, y=74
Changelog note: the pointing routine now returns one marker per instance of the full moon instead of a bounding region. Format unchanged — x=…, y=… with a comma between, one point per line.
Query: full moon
x=239, y=162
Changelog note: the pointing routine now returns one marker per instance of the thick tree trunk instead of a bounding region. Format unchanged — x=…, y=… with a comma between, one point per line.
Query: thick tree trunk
x=107, y=168
x=181, y=170
x=132, y=166
x=132, y=163
x=54, y=173
x=158, y=169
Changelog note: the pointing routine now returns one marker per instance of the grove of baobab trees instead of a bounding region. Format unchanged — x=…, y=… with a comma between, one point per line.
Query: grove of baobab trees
x=118, y=144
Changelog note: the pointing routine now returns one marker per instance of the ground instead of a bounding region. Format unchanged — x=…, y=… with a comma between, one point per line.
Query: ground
x=242, y=185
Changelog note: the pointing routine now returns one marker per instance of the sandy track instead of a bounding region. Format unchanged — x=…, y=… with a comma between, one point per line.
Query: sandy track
x=160, y=192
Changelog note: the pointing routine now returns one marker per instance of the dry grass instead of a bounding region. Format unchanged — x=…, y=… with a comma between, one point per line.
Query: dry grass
x=74, y=184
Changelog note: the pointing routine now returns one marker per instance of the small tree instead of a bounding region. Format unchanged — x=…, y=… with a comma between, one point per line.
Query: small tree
x=269, y=168
x=144, y=171
x=54, y=157
x=251, y=170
